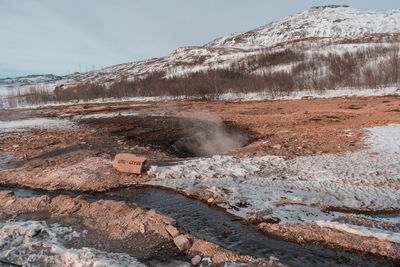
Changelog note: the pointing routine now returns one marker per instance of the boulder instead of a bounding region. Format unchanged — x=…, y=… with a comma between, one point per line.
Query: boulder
x=196, y=260
x=172, y=230
x=129, y=163
x=182, y=242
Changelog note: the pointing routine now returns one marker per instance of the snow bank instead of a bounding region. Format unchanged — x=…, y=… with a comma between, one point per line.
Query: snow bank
x=34, y=243
x=41, y=123
x=340, y=92
x=362, y=231
x=116, y=114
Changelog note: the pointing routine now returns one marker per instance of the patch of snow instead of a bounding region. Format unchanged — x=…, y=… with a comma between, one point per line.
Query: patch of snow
x=362, y=231
x=340, y=92
x=33, y=243
x=116, y=114
x=98, y=100
x=41, y=123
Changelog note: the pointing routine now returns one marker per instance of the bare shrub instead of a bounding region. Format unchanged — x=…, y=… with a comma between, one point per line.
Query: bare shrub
x=370, y=67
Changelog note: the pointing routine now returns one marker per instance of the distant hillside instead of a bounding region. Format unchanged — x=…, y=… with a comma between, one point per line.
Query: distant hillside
x=359, y=48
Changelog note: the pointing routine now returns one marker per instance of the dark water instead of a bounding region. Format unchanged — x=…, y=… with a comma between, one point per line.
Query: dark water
x=6, y=162
x=209, y=224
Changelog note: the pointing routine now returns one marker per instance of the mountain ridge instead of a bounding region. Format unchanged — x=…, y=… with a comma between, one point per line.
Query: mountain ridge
x=335, y=23
x=324, y=21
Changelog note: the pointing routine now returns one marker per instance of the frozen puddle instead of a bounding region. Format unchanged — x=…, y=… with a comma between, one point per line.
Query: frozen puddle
x=40, y=123
x=33, y=243
x=367, y=180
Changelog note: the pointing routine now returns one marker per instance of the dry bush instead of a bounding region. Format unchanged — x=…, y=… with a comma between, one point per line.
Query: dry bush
x=371, y=67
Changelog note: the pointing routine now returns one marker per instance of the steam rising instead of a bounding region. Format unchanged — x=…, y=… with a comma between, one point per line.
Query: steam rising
x=208, y=136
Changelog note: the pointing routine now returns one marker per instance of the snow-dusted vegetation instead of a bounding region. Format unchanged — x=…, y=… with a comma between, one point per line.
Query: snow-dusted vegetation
x=323, y=48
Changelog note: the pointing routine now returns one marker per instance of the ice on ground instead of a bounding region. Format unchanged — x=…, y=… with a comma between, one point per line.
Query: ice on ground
x=41, y=123
x=294, y=189
x=33, y=243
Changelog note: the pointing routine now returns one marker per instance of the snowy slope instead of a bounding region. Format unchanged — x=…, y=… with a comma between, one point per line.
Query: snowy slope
x=317, y=22
x=327, y=25
x=30, y=79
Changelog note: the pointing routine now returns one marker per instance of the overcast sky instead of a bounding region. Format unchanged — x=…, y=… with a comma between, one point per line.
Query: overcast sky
x=62, y=37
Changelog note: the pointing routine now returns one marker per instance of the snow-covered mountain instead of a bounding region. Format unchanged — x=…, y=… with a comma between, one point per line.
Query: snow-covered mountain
x=317, y=22
x=41, y=78
x=337, y=26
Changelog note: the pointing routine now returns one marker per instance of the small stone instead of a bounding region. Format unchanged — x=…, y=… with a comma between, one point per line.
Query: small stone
x=9, y=202
x=142, y=228
x=33, y=232
x=272, y=258
x=196, y=260
x=210, y=200
x=272, y=220
x=168, y=220
x=278, y=146
x=172, y=231
x=226, y=233
x=182, y=243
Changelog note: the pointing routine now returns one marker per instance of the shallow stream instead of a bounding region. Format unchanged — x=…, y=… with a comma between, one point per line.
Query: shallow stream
x=217, y=226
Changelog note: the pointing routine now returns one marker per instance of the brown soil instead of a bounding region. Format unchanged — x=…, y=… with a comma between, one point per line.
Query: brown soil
x=80, y=159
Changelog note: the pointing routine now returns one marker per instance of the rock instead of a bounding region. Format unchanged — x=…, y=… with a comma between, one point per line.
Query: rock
x=142, y=228
x=272, y=258
x=182, y=242
x=272, y=220
x=168, y=220
x=278, y=146
x=172, y=230
x=129, y=163
x=9, y=202
x=196, y=260
x=226, y=233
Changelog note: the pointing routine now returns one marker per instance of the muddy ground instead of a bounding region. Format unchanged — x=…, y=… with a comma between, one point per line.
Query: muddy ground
x=79, y=158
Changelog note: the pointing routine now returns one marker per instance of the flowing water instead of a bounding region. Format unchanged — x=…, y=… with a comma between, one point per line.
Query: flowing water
x=217, y=226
